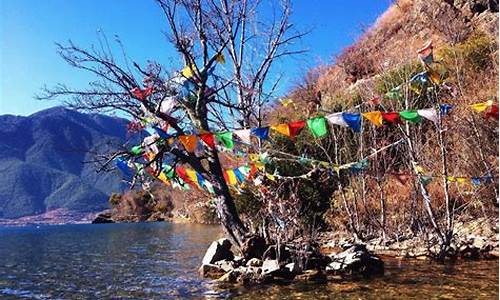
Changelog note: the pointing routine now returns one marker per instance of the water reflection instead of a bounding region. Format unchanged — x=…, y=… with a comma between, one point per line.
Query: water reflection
x=160, y=261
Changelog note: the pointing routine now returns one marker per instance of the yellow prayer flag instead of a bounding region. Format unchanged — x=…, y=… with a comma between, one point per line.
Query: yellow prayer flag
x=375, y=117
x=231, y=177
x=254, y=157
x=451, y=179
x=188, y=71
x=270, y=177
x=434, y=76
x=191, y=174
x=460, y=179
x=480, y=107
x=419, y=169
x=163, y=178
x=220, y=58
x=285, y=102
x=282, y=128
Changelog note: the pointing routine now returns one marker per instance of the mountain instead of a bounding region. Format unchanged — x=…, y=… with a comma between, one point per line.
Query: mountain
x=42, y=161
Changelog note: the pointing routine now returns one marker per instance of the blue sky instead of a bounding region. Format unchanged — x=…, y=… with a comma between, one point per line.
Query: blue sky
x=29, y=29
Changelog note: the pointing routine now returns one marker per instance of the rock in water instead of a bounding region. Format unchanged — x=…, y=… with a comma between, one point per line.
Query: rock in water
x=103, y=219
x=356, y=260
x=218, y=250
x=211, y=271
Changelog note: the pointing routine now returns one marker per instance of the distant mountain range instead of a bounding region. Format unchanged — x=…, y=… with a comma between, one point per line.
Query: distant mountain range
x=42, y=162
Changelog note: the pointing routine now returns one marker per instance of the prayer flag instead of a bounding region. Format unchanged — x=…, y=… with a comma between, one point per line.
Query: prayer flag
x=282, y=128
x=460, y=179
x=226, y=138
x=244, y=135
x=188, y=71
x=374, y=101
x=296, y=127
x=445, y=109
x=317, y=126
x=200, y=179
x=492, y=113
x=239, y=175
x=220, y=58
x=189, y=142
x=169, y=171
x=336, y=119
x=136, y=150
x=480, y=107
x=429, y=114
x=163, y=178
x=261, y=132
x=375, y=117
x=410, y=115
x=353, y=120
x=123, y=166
x=231, y=177
x=208, y=139
x=191, y=174
x=167, y=105
x=451, y=179
x=391, y=117
x=425, y=179
x=285, y=102
x=476, y=181
x=425, y=53
x=394, y=94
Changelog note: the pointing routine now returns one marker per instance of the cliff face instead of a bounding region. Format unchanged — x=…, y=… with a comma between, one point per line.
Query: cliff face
x=42, y=161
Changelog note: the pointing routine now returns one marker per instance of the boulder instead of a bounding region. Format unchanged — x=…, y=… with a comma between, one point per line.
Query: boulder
x=218, y=250
x=103, y=218
x=211, y=271
x=312, y=275
x=270, y=266
x=356, y=260
x=282, y=254
x=226, y=265
x=254, y=262
x=253, y=247
x=293, y=268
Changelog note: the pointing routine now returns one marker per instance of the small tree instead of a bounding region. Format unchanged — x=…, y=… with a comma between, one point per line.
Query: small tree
x=228, y=50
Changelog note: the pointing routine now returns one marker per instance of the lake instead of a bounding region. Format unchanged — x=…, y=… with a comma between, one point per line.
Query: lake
x=160, y=261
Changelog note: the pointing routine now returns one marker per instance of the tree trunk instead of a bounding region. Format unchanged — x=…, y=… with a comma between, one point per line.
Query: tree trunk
x=226, y=208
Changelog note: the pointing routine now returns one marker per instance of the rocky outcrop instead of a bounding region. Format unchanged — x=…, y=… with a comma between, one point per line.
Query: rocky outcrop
x=103, y=218
x=356, y=260
x=218, y=250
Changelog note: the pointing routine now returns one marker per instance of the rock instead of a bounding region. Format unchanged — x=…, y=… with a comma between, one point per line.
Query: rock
x=211, y=271
x=293, y=268
x=230, y=277
x=312, y=275
x=103, y=219
x=283, y=254
x=253, y=247
x=239, y=260
x=270, y=266
x=356, y=260
x=226, y=265
x=254, y=262
x=218, y=250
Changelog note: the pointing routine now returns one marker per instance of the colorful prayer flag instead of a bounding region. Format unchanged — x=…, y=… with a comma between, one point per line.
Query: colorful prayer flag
x=261, y=132
x=425, y=53
x=375, y=117
x=281, y=128
x=208, y=139
x=226, y=138
x=391, y=117
x=429, y=113
x=410, y=115
x=136, y=150
x=480, y=107
x=296, y=127
x=353, y=120
x=317, y=126
x=220, y=58
x=336, y=119
x=189, y=142
x=244, y=135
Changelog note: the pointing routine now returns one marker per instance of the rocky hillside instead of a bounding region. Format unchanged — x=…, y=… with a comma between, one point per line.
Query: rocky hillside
x=42, y=162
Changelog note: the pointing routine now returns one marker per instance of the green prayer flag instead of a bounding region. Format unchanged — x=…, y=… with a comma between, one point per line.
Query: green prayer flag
x=136, y=150
x=317, y=126
x=410, y=115
x=169, y=171
x=226, y=138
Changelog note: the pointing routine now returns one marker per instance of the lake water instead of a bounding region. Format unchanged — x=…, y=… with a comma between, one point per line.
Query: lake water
x=160, y=261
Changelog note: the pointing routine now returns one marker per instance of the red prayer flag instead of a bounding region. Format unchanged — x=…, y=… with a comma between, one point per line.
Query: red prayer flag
x=391, y=117
x=374, y=101
x=226, y=178
x=492, y=113
x=182, y=174
x=253, y=171
x=296, y=127
x=141, y=94
x=208, y=139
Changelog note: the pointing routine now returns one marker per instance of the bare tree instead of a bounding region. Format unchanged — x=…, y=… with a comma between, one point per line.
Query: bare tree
x=228, y=49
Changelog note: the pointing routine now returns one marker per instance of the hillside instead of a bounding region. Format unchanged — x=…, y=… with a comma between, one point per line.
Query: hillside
x=42, y=162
